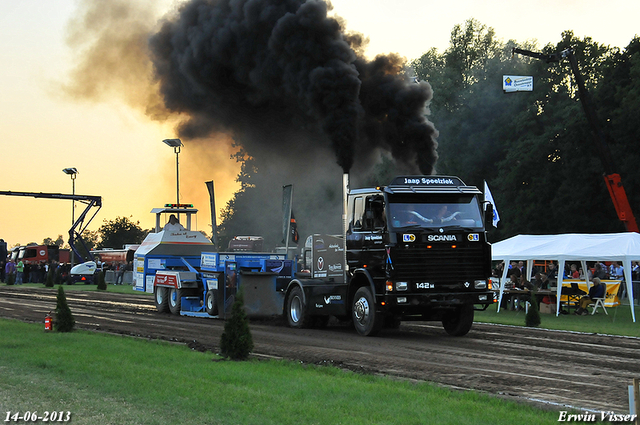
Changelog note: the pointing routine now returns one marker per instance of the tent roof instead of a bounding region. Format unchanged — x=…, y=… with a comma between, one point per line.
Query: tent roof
x=572, y=246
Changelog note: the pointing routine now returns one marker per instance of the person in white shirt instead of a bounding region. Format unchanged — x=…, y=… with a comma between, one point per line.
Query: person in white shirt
x=173, y=224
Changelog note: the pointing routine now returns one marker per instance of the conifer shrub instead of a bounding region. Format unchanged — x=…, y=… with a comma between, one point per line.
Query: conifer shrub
x=50, y=277
x=236, y=341
x=102, y=283
x=64, y=319
x=532, y=318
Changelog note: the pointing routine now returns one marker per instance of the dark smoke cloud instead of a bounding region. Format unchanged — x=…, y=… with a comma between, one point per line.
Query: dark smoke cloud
x=279, y=79
x=286, y=79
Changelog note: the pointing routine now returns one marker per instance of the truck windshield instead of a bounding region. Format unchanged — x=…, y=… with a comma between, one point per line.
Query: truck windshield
x=434, y=211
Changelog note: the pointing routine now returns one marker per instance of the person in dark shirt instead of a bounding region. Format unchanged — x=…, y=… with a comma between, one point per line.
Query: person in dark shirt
x=596, y=291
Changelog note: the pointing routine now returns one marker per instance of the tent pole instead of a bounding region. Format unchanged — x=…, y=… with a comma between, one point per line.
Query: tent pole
x=561, y=264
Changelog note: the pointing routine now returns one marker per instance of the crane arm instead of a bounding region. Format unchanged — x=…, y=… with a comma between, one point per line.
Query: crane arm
x=75, y=233
x=599, y=137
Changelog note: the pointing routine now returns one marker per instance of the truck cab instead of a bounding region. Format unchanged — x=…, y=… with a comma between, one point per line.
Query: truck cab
x=419, y=246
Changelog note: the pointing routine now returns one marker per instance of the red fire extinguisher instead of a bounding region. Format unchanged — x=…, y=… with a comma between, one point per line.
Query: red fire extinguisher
x=48, y=322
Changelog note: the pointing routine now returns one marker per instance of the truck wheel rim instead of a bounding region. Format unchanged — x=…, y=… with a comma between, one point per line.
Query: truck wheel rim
x=361, y=310
x=210, y=303
x=173, y=297
x=159, y=297
x=296, y=307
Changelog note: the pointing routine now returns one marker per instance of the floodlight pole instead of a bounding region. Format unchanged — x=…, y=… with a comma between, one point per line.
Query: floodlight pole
x=176, y=144
x=177, y=151
x=72, y=172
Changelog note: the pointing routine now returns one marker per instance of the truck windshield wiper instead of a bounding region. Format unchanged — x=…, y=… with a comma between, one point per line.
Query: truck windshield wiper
x=457, y=226
x=411, y=227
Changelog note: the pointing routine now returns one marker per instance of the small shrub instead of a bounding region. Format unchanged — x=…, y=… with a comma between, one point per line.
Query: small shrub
x=532, y=319
x=102, y=283
x=58, y=273
x=64, y=319
x=236, y=341
x=50, y=277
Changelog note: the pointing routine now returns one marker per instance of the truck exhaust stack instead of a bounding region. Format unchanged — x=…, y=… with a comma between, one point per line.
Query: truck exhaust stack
x=345, y=225
x=345, y=197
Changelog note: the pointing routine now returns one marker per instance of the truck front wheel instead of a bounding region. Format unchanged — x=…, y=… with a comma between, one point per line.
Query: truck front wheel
x=366, y=319
x=161, y=298
x=458, y=322
x=175, y=300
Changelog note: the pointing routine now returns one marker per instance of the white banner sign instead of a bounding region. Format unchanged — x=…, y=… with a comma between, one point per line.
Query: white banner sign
x=511, y=83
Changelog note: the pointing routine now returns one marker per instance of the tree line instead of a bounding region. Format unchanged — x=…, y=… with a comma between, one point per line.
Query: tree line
x=115, y=233
x=534, y=148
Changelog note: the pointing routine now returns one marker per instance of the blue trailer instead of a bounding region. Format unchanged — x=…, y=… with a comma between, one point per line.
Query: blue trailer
x=176, y=265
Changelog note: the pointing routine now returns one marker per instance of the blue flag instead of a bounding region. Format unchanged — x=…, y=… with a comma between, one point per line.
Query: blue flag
x=489, y=197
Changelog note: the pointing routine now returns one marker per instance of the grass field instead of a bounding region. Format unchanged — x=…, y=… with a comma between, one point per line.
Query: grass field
x=106, y=379
x=617, y=322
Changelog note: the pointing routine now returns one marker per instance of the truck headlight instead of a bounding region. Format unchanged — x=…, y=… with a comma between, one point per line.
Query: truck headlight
x=482, y=298
x=480, y=284
x=402, y=286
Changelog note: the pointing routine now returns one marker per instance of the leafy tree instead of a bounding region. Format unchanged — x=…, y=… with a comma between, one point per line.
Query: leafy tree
x=534, y=149
x=58, y=241
x=119, y=232
x=233, y=221
x=65, y=321
x=236, y=341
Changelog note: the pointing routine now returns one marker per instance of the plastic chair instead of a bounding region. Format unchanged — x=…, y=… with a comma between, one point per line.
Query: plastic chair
x=599, y=302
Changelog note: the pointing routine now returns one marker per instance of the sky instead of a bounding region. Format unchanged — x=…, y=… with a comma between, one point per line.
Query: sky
x=118, y=150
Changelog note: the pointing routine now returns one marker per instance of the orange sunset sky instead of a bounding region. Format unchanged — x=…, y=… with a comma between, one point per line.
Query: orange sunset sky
x=56, y=114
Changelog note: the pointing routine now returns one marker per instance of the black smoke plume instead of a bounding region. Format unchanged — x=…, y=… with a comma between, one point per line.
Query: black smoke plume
x=286, y=80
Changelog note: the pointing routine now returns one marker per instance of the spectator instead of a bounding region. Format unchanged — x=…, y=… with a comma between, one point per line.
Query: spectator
x=9, y=269
x=616, y=271
x=600, y=272
x=513, y=269
x=497, y=272
x=120, y=274
x=19, y=272
x=541, y=281
x=551, y=271
x=596, y=291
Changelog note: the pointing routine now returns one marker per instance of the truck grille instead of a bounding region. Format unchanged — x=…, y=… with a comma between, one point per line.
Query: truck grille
x=439, y=264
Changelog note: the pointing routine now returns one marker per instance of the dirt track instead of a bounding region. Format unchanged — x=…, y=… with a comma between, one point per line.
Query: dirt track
x=554, y=369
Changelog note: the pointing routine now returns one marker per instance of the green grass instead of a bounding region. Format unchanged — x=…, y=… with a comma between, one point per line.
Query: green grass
x=122, y=289
x=618, y=322
x=106, y=379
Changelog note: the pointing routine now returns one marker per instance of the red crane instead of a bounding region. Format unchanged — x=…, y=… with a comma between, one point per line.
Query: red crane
x=599, y=137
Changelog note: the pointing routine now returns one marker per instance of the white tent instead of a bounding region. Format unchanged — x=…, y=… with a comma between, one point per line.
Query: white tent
x=620, y=247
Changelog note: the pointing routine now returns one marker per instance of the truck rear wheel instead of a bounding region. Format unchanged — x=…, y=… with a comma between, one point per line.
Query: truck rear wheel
x=161, y=299
x=175, y=300
x=297, y=316
x=211, y=304
x=366, y=319
x=458, y=322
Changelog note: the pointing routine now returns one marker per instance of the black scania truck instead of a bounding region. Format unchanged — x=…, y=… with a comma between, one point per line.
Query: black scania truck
x=415, y=250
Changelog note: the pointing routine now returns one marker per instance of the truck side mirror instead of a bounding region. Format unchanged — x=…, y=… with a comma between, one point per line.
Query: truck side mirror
x=488, y=215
